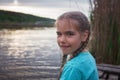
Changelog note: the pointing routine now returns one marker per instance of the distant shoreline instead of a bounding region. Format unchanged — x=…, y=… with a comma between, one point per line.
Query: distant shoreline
x=16, y=20
x=23, y=26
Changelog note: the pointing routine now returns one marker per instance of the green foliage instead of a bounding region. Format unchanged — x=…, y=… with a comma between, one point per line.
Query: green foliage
x=7, y=16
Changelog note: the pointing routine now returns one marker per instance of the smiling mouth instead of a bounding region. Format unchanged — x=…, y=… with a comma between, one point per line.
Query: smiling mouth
x=64, y=47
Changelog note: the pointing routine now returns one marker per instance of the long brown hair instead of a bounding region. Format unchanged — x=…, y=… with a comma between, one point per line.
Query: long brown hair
x=82, y=24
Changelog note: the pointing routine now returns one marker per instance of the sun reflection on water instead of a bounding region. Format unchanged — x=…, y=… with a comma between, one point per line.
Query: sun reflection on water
x=25, y=43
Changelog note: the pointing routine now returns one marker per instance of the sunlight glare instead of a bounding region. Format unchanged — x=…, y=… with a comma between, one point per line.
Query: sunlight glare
x=15, y=2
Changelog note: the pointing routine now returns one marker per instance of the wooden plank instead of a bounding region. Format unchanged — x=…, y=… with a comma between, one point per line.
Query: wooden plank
x=109, y=65
x=108, y=69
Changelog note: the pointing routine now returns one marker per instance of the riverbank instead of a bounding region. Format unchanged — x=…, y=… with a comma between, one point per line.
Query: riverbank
x=16, y=20
x=24, y=25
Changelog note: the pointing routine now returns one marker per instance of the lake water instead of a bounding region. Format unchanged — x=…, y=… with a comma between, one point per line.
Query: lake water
x=29, y=54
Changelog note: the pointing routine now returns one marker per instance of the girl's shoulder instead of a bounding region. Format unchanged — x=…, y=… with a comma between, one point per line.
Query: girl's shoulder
x=84, y=59
x=83, y=65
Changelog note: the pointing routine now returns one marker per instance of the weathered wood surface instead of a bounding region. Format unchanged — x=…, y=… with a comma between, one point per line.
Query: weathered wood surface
x=108, y=70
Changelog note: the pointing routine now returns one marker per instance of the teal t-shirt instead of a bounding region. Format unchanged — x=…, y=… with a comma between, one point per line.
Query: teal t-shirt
x=82, y=67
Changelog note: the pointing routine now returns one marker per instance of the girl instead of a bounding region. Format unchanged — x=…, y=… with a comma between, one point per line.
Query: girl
x=73, y=32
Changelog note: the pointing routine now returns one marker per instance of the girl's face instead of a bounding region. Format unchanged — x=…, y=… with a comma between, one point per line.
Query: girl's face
x=68, y=37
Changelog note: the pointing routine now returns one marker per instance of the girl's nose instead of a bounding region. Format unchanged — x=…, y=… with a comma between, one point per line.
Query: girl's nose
x=62, y=38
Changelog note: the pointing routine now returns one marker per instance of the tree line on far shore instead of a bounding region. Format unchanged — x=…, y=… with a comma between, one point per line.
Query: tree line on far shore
x=9, y=19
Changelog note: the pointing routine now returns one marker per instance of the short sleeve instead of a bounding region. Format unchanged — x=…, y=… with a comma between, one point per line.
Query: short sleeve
x=70, y=73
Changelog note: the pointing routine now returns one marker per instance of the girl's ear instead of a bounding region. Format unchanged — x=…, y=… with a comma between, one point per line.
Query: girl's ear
x=85, y=35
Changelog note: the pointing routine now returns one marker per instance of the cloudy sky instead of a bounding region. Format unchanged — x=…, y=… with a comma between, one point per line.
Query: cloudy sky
x=45, y=8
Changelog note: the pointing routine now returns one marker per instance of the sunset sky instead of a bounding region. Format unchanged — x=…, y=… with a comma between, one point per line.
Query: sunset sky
x=45, y=8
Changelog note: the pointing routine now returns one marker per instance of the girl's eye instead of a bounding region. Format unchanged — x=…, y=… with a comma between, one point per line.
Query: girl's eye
x=69, y=33
x=59, y=34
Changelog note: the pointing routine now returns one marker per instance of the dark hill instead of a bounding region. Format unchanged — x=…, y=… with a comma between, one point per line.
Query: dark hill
x=15, y=19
